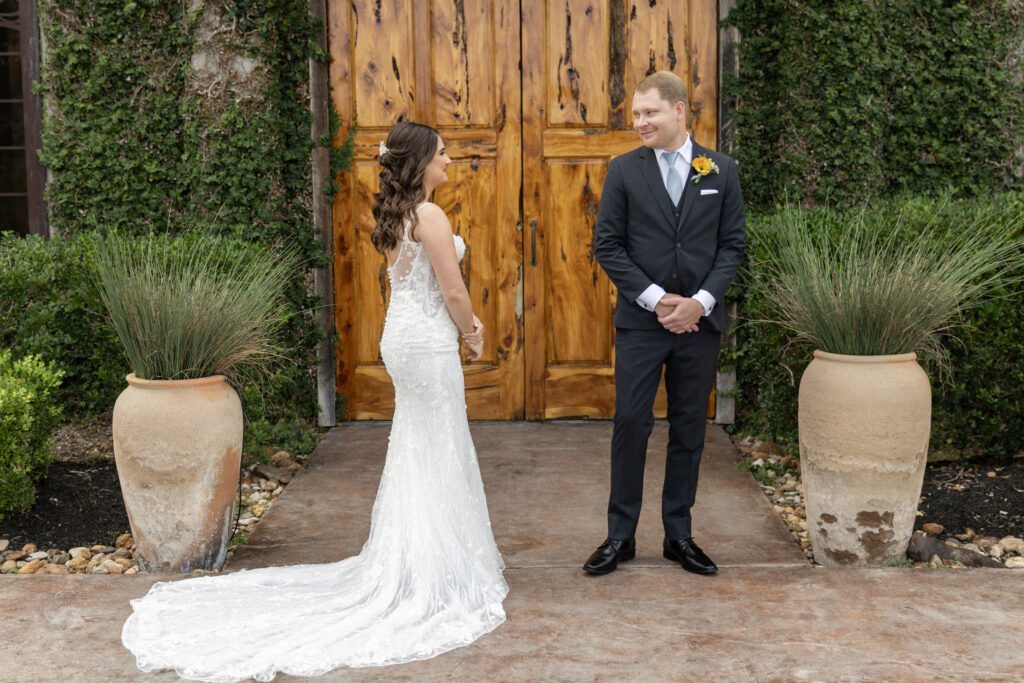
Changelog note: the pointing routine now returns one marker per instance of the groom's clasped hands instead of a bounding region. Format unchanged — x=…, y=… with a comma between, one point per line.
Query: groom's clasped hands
x=679, y=314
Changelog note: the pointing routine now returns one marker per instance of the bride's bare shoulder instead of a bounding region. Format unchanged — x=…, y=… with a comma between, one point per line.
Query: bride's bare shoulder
x=432, y=219
x=430, y=211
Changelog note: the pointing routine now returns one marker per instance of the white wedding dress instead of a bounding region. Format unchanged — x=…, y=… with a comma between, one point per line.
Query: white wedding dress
x=429, y=578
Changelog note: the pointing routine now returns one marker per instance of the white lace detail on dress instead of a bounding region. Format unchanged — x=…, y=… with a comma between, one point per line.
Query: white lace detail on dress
x=416, y=300
x=428, y=579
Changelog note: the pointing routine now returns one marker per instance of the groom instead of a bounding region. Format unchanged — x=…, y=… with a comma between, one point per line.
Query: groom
x=670, y=234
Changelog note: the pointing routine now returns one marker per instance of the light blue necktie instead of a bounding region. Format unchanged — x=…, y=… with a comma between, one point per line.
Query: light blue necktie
x=674, y=184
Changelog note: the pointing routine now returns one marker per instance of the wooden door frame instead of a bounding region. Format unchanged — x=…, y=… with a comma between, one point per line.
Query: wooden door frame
x=528, y=226
x=323, y=276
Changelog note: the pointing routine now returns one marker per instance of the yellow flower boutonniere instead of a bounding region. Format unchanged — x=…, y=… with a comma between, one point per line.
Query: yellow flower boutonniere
x=703, y=166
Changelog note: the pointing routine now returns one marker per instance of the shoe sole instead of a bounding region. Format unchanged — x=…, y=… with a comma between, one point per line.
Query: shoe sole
x=670, y=556
x=600, y=572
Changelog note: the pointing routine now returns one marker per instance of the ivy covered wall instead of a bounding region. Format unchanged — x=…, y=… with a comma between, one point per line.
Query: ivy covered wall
x=844, y=100
x=170, y=116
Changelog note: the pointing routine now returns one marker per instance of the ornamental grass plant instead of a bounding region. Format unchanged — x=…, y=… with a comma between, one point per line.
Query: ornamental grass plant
x=183, y=309
x=868, y=282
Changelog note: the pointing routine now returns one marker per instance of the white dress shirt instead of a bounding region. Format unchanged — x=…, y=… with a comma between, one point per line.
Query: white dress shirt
x=650, y=297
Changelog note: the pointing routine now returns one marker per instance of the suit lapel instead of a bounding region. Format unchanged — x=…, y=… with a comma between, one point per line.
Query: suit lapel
x=690, y=191
x=652, y=174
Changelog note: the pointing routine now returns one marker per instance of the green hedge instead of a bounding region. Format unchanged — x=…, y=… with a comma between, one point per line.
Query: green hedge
x=139, y=142
x=977, y=400
x=50, y=308
x=843, y=100
x=28, y=413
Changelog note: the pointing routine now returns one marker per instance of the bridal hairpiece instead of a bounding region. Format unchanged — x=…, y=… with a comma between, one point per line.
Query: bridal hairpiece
x=383, y=148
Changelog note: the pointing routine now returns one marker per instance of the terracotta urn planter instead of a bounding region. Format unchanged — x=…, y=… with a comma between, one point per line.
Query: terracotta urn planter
x=178, y=446
x=864, y=424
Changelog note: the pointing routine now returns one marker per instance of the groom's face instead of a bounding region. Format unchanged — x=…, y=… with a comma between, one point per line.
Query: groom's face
x=658, y=122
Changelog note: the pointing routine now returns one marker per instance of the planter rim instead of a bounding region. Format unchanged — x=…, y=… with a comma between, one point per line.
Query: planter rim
x=845, y=358
x=173, y=383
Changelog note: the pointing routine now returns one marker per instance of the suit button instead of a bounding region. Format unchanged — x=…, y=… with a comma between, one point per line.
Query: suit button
x=679, y=245
x=673, y=275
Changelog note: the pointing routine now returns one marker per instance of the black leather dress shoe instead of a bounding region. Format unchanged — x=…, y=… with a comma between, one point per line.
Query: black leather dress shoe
x=608, y=555
x=688, y=554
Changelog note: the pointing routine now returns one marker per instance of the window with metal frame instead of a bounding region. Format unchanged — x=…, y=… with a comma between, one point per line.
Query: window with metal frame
x=21, y=174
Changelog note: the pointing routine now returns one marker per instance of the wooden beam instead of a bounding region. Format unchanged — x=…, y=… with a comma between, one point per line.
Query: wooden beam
x=31, y=54
x=323, y=277
x=728, y=61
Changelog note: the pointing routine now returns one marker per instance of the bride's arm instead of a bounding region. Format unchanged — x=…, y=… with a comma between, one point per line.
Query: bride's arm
x=435, y=232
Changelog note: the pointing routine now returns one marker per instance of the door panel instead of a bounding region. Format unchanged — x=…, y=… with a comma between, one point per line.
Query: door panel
x=445, y=64
x=577, y=90
x=579, y=326
x=575, y=48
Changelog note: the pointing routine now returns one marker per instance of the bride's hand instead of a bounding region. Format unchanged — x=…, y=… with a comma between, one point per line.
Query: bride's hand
x=473, y=350
x=477, y=335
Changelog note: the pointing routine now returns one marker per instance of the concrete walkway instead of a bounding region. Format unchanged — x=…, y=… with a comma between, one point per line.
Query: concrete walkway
x=766, y=616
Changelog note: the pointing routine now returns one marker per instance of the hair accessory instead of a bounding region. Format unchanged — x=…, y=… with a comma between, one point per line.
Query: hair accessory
x=383, y=148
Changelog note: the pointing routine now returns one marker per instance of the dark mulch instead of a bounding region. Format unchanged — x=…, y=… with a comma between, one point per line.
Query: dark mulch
x=78, y=504
x=986, y=498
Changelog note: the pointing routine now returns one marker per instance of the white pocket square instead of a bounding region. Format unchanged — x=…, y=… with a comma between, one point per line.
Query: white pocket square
x=704, y=192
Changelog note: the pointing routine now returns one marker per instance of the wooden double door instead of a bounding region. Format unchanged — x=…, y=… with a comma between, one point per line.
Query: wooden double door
x=533, y=98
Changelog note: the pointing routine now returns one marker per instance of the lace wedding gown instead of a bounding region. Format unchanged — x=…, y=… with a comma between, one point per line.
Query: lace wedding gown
x=429, y=578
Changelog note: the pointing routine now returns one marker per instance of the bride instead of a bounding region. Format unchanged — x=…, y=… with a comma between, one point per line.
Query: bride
x=429, y=578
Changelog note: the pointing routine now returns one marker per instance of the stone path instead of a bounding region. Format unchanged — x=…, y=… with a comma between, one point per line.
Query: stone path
x=768, y=615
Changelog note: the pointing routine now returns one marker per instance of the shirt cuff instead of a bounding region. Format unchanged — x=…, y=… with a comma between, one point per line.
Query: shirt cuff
x=650, y=297
x=706, y=299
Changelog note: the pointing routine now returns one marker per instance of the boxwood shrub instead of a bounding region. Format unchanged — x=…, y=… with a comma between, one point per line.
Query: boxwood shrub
x=28, y=413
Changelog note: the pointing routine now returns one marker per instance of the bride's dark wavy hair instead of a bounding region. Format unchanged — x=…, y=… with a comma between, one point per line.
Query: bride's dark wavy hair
x=411, y=146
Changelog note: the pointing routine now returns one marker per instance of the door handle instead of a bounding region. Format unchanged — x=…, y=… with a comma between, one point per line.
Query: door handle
x=533, y=243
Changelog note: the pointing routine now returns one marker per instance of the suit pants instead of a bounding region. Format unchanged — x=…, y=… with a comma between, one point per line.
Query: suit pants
x=690, y=361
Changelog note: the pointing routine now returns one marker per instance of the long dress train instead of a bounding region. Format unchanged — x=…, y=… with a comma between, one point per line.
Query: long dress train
x=428, y=579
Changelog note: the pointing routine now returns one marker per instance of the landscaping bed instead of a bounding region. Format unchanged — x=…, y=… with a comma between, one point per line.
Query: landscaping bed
x=975, y=507
x=79, y=506
x=78, y=523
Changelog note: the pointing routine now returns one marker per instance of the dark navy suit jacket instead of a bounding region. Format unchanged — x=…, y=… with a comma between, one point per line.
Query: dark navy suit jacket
x=638, y=240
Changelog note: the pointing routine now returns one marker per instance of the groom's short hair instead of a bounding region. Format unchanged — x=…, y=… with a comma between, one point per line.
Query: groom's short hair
x=669, y=86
